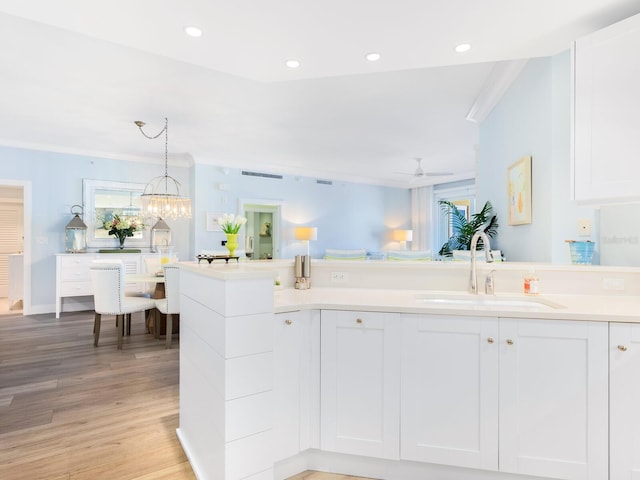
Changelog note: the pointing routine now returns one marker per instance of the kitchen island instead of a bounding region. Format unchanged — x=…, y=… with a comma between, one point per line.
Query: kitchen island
x=396, y=373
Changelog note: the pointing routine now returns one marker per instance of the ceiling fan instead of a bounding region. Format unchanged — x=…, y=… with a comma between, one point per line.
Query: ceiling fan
x=419, y=172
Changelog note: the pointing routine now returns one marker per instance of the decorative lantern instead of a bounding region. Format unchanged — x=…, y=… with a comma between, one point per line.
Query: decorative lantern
x=75, y=233
x=160, y=235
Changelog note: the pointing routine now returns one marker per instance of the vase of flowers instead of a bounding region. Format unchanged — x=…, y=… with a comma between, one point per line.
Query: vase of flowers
x=122, y=227
x=230, y=225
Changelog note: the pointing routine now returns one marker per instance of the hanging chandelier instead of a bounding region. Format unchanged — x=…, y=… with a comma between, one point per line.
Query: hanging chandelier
x=161, y=197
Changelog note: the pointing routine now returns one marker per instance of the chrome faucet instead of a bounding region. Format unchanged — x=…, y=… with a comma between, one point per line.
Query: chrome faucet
x=473, y=279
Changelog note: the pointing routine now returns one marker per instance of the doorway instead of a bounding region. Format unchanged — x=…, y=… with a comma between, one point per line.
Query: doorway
x=15, y=225
x=262, y=230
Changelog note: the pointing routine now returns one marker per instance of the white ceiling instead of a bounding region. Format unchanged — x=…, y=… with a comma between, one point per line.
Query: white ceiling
x=75, y=74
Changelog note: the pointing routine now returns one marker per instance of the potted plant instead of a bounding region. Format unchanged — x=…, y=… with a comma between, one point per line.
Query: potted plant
x=463, y=229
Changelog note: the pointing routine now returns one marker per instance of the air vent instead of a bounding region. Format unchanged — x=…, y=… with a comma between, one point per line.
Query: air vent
x=324, y=182
x=260, y=174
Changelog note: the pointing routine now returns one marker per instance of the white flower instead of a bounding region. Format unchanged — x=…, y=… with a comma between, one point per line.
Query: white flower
x=231, y=223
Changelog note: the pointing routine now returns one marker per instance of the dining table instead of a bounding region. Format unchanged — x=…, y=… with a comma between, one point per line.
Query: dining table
x=158, y=292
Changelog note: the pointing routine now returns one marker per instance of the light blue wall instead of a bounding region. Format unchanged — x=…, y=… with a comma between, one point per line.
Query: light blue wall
x=56, y=184
x=533, y=118
x=347, y=215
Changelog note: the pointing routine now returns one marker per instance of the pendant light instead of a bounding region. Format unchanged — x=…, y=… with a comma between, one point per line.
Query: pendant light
x=161, y=197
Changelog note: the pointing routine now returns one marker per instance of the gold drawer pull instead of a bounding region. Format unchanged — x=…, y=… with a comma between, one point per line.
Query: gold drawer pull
x=490, y=340
x=509, y=341
x=288, y=322
x=622, y=348
x=358, y=321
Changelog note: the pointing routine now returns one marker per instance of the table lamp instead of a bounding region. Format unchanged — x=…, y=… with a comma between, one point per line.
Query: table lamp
x=305, y=234
x=403, y=236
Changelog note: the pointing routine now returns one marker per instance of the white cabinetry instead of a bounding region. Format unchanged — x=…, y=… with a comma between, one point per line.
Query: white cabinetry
x=515, y=395
x=606, y=121
x=16, y=278
x=450, y=390
x=624, y=363
x=360, y=383
x=554, y=398
x=73, y=278
x=296, y=365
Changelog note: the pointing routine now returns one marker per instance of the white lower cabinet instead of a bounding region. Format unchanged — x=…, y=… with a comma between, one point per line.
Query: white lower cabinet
x=515, y=395
x=554, y=398
x=293, y=361
x=450, y=390
x=360, y=383
x=624, y=427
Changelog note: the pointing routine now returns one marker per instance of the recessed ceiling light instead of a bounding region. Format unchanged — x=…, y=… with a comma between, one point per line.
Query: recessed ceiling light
x=292, y=63
x=463, y=47
x=373, y=56
x=193, y=31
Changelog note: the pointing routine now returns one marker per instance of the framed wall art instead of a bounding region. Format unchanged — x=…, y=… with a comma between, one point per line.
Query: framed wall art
x=519, y=192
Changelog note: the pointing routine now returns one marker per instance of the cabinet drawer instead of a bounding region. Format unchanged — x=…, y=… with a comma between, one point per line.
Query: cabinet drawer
x=76, y=261
x=76, y=273
x=72, y=289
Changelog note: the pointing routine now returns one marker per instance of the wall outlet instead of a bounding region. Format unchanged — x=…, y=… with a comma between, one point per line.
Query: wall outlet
x=584, y=227
x=339, y=277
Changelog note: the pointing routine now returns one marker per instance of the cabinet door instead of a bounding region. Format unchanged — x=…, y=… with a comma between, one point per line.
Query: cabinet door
x=292, y=361
x=450, y=390
x=606, y=119
x=624, y=442
x=554, y=398
x=360, y=383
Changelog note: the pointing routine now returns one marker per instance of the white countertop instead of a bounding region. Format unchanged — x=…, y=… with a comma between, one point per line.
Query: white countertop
x=574, y=307
x=228, y=271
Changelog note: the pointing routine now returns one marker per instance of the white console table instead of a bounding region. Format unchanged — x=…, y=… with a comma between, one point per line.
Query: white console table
x=73, y=279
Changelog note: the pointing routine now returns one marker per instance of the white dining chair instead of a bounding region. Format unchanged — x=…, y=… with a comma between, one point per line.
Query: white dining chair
x=170, y=304
x=109, y=298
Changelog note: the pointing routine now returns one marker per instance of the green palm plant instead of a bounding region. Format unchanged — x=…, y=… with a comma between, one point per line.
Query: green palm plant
x=463, y=229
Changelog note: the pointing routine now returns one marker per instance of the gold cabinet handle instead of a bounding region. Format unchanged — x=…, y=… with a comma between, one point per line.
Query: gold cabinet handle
x=509, y=341
x=358, y=321
x=490, y=340
x=622, y=348
x=288, y=322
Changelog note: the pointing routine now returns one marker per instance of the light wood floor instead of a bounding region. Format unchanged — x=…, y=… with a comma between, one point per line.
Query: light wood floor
x=69, y=411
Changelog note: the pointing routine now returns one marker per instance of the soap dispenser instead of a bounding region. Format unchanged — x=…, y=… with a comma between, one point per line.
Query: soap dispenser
x=531, y=283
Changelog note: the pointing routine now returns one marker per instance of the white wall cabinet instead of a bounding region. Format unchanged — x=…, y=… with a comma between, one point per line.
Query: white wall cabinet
x=606, y=121
x=450, y=390
x=624, y=418
x=360, y=383
x=296, y=370
x=554, y=398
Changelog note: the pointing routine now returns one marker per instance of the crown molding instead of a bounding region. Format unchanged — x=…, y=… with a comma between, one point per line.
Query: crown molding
x=180, y=160
x=502, y=76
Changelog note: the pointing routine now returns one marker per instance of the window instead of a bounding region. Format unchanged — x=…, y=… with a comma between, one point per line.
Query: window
x=463, y=195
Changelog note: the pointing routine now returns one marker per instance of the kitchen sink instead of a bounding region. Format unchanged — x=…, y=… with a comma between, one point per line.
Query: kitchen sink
x=487, y=300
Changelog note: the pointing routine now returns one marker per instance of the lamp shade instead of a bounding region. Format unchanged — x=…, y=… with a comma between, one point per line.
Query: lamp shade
x=403, y=235
x=306, y=233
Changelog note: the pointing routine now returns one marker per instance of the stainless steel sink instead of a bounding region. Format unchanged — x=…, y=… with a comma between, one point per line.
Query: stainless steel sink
x=487, y=300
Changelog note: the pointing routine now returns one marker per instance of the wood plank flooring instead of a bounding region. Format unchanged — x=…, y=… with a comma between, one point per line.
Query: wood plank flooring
x=69, y=411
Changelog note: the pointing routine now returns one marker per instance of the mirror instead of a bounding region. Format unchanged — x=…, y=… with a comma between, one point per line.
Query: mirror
x=103, y=199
